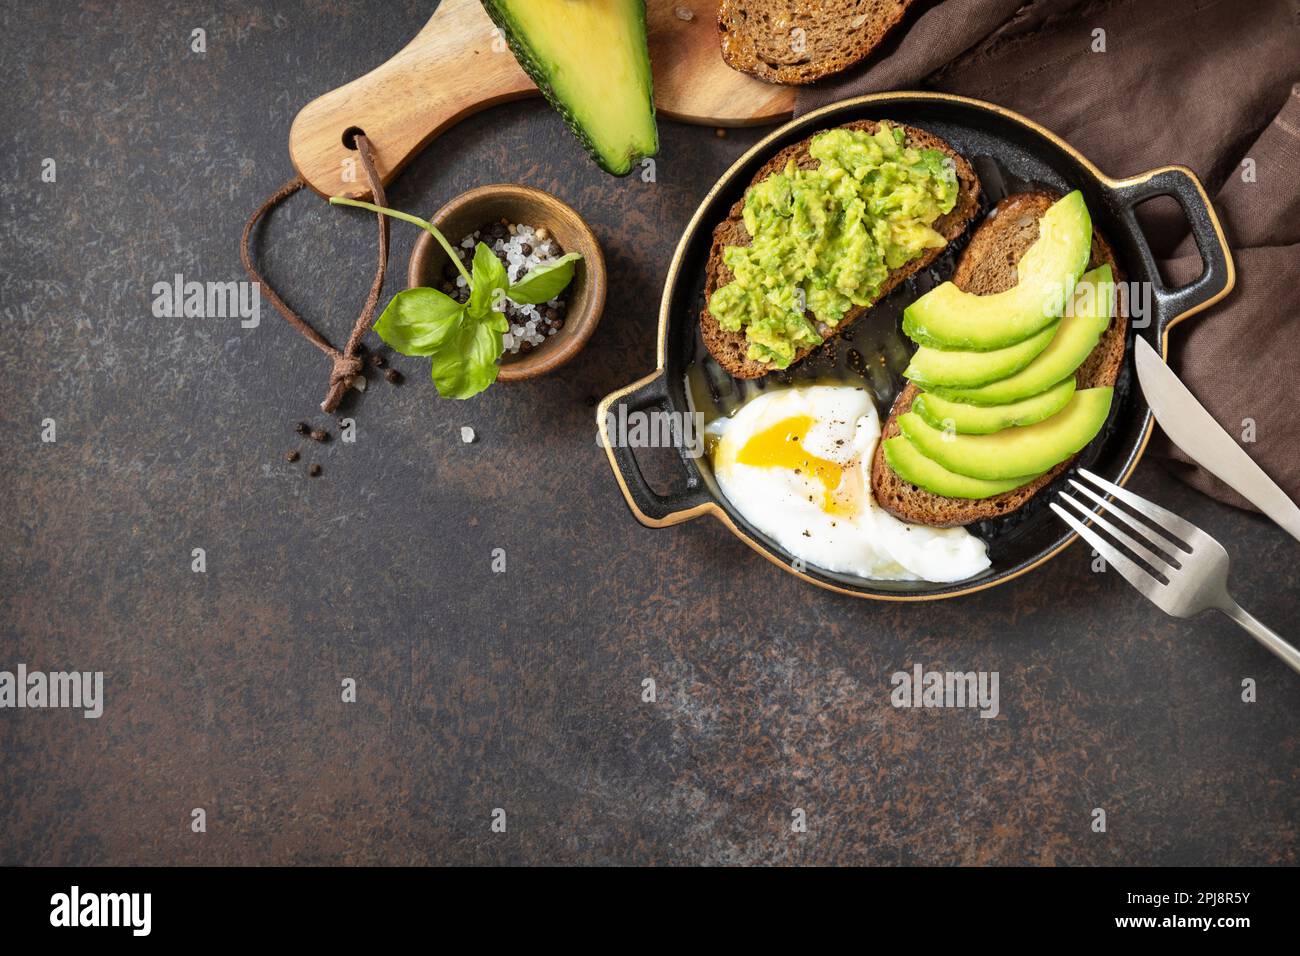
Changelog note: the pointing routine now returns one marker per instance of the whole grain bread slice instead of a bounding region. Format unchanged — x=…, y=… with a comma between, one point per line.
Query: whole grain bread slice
x=730, y=348
x=988, y=265
x=799, y=41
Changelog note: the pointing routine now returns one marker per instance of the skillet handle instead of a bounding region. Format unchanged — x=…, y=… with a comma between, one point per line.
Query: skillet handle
x=650, y=508
x=1218, y=276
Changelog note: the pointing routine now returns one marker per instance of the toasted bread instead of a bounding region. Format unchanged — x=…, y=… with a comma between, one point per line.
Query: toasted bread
x=799, y=41
x=730, y=348
x=988, y=265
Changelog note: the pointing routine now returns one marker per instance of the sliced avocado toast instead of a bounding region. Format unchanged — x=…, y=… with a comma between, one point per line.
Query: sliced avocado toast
x=591, y=62
x=998, y=466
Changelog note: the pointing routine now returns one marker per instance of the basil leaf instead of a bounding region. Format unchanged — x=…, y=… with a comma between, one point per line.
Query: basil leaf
x=467, y=362
x=498, y=321
x=545, y=282
x=418, y=321
x=487, y=275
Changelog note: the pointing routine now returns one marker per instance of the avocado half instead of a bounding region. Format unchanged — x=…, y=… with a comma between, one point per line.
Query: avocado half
x=590, y=60
x=948, y=318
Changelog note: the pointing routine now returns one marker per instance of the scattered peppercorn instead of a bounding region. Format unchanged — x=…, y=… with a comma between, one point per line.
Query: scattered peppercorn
x=314, y=470
x=301, y=428
x=320, y=434
x=291, y=456
x=377, y=360
x=394, y=376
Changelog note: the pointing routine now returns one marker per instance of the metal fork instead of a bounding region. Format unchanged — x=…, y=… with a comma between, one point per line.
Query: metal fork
x=1194, y=570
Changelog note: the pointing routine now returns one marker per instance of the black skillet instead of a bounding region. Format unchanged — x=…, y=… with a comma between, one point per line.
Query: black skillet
x=1010, y=153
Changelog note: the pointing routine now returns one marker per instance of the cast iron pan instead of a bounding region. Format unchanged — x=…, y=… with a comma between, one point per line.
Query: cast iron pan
x=1010, y=154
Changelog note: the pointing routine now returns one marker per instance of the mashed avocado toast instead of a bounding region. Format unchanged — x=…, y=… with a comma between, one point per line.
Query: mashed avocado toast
x=826, y=228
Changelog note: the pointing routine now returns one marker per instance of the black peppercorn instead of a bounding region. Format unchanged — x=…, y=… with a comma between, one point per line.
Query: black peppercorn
x=291, y=456
x=314, y=470
x=320, y=434
x=393, y=375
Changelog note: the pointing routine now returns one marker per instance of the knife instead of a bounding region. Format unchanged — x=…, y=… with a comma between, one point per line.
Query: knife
x=1191, y=428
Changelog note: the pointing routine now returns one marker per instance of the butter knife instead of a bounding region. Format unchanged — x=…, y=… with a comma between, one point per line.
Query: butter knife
x=1191, y=428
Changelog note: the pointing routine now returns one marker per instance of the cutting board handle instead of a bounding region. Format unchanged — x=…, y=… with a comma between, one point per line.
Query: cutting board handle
x=455, y=66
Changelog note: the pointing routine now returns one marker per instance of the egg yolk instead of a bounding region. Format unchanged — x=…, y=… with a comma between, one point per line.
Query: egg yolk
x=781, y=446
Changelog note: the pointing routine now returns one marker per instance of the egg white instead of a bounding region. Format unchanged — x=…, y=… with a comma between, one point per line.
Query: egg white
x=790, y=505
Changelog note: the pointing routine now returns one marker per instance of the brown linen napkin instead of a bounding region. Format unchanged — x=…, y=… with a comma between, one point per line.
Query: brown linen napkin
x=1134, y=84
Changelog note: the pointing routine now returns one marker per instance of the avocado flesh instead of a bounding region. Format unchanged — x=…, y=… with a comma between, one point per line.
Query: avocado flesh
x=1074, y=341
x=911, y=465
x=591, y=62
x=965, y=419
x=948, y=318
x=966, y=369
x=1013, y=452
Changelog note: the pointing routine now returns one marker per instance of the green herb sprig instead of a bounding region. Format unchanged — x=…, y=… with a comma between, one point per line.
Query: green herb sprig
x=463, y=341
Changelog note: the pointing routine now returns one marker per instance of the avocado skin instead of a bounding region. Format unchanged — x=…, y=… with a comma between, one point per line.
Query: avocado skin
x=531, y=63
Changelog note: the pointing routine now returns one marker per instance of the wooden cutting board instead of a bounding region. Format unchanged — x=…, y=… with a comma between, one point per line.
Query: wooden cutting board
x=458, y=64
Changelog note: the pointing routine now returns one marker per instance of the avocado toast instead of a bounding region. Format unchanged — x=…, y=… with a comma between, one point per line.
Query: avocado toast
x=731, y=348
x=987, y=267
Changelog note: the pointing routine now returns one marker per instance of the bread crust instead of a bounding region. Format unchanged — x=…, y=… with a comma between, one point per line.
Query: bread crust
x=730, y=348
x=987, y=266
x=758, y=36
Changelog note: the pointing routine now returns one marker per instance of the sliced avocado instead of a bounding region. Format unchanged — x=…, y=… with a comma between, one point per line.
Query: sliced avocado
x=965, y=419
x=1014, y=451
x=1074, y=341
x=965, y=369
x=926, y=473
x=590, y=60
x=948, y=318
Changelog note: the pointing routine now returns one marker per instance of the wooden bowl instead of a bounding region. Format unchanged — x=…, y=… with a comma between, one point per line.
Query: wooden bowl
x=522, y=204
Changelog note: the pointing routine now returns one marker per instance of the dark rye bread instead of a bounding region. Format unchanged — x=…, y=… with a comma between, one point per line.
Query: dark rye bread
x=729, y=348
x=988, y=265
x=759, y=38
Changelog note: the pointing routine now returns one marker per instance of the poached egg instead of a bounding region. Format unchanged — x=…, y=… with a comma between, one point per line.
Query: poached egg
x=796, y=464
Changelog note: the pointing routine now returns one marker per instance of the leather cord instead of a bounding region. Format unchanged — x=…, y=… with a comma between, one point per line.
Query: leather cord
x=345, y=365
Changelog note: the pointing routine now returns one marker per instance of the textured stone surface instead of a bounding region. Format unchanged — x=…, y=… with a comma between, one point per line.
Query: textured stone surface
x=479, y=690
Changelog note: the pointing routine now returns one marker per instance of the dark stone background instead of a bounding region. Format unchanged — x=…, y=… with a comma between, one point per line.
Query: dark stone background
x=480, y=690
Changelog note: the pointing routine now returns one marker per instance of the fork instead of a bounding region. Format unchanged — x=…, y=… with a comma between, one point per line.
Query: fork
x=1190, y=571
